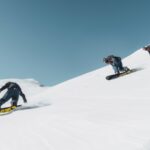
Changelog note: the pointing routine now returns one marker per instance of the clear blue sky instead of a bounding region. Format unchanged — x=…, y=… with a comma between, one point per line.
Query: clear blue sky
x=55, y=40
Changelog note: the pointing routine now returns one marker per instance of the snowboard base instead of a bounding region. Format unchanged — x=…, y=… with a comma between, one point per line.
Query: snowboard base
x=8, y=109
x=114, y=76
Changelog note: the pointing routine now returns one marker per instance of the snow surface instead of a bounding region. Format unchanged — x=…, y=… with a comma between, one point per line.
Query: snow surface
x=85, y=113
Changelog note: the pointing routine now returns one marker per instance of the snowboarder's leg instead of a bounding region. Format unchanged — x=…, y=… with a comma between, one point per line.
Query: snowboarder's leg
x=14, y=101
x=5, y=98
x=123, y=69
x=15, y=98
x=120, y=66
x=3, y=101
x=116, y=69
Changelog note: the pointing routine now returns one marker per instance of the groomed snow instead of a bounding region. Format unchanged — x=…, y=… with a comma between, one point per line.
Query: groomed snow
x=85, y=113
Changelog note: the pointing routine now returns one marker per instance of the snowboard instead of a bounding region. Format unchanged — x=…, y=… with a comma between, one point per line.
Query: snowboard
x=114, y=76
x=7, y=110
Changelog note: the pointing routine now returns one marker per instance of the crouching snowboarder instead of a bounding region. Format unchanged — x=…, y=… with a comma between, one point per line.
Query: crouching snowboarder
x=13, y=93
x=116, y=63
x=147, y=48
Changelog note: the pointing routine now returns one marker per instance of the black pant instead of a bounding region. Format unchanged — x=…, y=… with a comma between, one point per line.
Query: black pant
x=10, y=94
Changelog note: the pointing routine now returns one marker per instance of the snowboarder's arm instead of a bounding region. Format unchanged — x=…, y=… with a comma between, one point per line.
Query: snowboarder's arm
x=4, y=87
x=23, y=96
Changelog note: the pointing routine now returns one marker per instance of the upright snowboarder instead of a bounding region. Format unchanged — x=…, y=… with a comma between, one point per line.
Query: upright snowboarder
x=116, y=63
x=147, y=48
x=13, y=93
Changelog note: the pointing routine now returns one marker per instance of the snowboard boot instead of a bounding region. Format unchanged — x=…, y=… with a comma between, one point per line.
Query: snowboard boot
x=126, y=69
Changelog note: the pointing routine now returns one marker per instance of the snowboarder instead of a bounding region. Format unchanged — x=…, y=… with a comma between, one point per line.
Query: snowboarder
x=116, y=63
x=147, y=48
x=13, y=92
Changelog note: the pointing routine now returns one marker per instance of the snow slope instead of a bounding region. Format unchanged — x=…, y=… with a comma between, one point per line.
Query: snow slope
x=85, y=113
